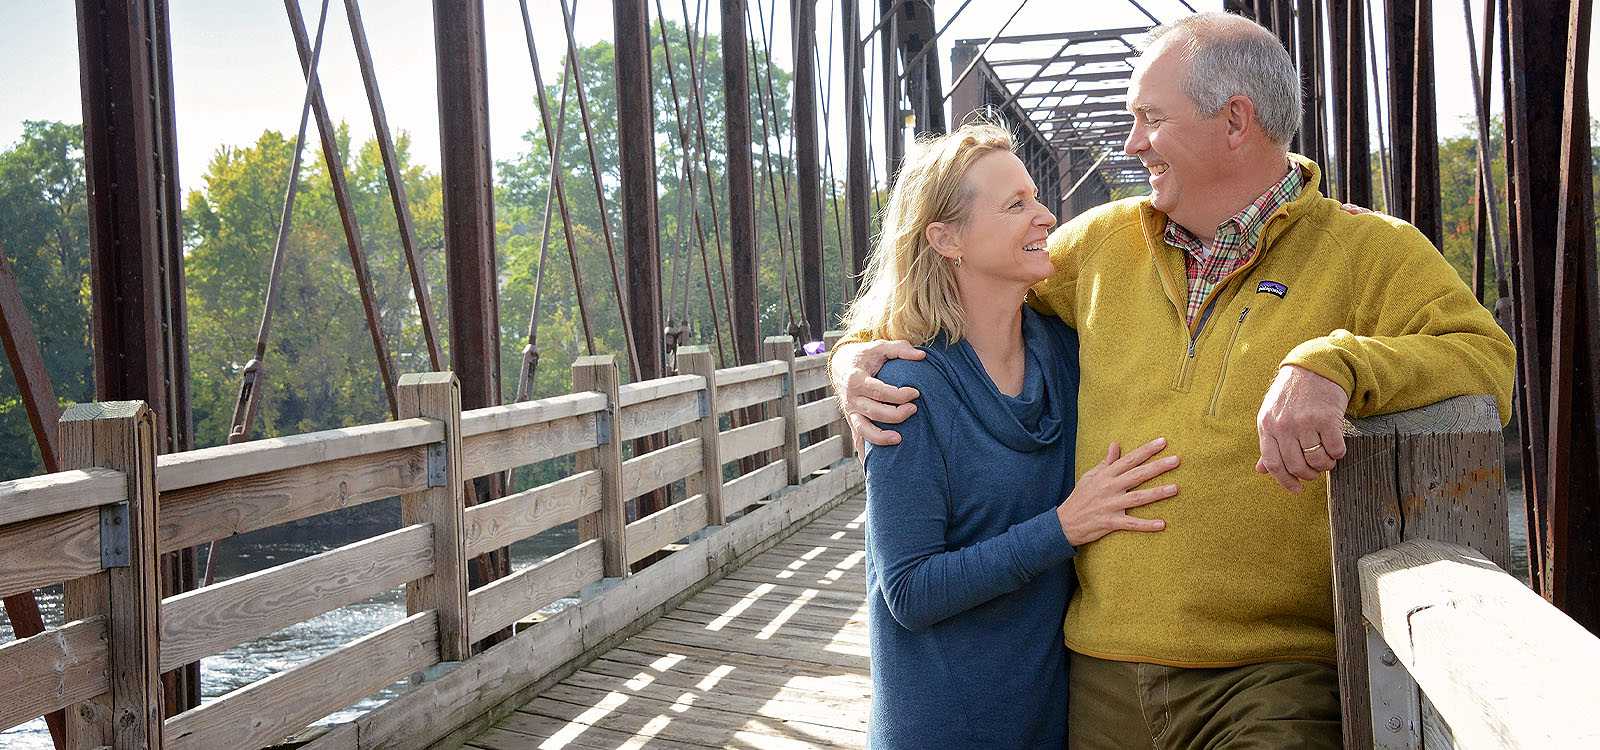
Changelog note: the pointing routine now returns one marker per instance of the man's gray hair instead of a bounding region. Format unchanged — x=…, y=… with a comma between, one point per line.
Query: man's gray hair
x=1231, y=56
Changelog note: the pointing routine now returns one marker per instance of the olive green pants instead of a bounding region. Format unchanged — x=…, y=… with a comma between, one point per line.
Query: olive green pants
x=1114, y=705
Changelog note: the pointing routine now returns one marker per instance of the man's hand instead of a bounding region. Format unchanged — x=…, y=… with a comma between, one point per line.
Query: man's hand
x=1300, y=426
x=864, y=398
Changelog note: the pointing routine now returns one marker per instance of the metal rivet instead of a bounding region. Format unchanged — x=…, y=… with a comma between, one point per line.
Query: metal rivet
x=1394, y=723
x=1389, y=658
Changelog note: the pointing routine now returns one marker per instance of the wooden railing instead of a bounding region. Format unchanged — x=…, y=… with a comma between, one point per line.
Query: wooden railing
x=97, y=529
x=1438, y=646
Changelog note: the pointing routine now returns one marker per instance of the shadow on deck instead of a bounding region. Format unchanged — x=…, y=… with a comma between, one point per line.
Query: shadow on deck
x=774, y=655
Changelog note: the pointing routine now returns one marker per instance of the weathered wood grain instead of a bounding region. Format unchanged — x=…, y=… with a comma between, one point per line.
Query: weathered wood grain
x=207, y=621
x=1436, y=472
x=515, y=517
x=660, y=415
x=528, y=413
x=49, y=550
x=817, y=413
x=48, y=494
x=1502, y=667
x=198, y=514
x=751, y=439
x=437, y=396
x=697, y=360
x=53, y=670
x=264, y=711
x=598, y=373
x=782, y=348
x=821, y=454
x=490, y=452
x=749, y=393
x=665, y=526
x=120, y=435
x=176, y=471
x=506, y=600
x=744, y=491
x=651, y=390
x=808, y=380
x=660, y=468
x=744, y=373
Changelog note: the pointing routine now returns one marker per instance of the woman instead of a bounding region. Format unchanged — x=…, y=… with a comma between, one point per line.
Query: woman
x=968, y=550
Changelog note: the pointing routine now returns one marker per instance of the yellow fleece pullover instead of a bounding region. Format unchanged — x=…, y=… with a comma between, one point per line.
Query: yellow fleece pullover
x=1242, y=572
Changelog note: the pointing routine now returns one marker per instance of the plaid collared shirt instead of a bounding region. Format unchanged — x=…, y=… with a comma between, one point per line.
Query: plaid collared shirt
x=1235, y=243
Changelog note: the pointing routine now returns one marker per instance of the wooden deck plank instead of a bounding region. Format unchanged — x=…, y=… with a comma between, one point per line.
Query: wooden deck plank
x=766, y=657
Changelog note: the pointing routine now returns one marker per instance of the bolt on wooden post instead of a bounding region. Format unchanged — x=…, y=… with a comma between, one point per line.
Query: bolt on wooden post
x=698, y=360
x=782, y=348
x=598, y=373
x=437, y=396
x=119, y=435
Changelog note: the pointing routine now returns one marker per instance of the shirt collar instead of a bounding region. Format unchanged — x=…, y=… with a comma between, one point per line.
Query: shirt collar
x=1246, y=225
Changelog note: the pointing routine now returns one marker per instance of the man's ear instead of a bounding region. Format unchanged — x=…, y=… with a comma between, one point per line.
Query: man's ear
x=1241, y=114
x=944, y=238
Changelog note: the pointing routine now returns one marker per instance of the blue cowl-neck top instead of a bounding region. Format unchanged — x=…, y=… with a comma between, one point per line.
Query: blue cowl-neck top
x=968, y=570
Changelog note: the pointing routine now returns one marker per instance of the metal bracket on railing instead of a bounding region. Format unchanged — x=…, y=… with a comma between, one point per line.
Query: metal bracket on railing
x=788, y=382
x=705, y=403
x=602, y=428
x=114, y=533
x=438, y=474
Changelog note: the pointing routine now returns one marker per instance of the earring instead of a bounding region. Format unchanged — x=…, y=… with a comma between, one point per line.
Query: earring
x=958, y=261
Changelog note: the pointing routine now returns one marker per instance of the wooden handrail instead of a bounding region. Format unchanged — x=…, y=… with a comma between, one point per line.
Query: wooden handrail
x=216, y=492
x=1502, y=667
x=1436, y=643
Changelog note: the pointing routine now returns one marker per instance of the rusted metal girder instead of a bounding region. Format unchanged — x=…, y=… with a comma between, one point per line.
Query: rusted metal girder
x=1413, y=121
x=397, y=185
x=347, y=213
x=697, y=56
x=468, y=187
x=808, y=160
x=857, y=189
x=1557, y=312
x=636, y=154
x=894, y=145
x=746, y=315
x=136, y=249
x=1347, y=27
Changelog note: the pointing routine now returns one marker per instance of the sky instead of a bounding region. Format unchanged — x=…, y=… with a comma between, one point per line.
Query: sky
x=235, y=72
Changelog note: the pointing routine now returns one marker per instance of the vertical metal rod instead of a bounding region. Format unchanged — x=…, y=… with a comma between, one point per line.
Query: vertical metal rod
x=705, y=155
x=857, y=187
x=831, y=176
x=783, y=163
x=785, y=241
x=741, y=181
x=397, y=185
x=1423, y=159
x=686, y=143
x=1489, y=197
x=1309, y=141
x=1384, y=162
x=624, y=308
x=558, y=183
x=893, y=125
x=530, y=351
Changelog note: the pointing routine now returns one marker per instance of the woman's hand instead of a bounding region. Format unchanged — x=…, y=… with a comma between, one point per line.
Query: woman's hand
x=1100, y=501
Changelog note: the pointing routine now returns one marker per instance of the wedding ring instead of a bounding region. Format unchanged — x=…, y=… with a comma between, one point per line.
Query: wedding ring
x=1318, y=446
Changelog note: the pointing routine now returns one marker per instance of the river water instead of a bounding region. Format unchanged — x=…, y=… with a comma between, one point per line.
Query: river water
x=274, y=653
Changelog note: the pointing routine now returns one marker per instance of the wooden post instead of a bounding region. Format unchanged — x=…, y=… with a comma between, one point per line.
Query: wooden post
x=598, y=372
x=1432, y=473
x=698, y=360
x=840, y=426
x=119, y=435
x=782, y=348
x=437, y=395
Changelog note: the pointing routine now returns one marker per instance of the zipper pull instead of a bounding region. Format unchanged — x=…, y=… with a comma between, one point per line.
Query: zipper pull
x=1243, y=313
x=1191, y=348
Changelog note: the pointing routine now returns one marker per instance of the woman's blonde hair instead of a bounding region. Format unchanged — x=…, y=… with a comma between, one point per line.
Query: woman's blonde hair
x=908, y=290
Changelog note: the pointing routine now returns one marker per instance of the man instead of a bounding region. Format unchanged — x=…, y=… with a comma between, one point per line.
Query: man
x=1240, y=314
